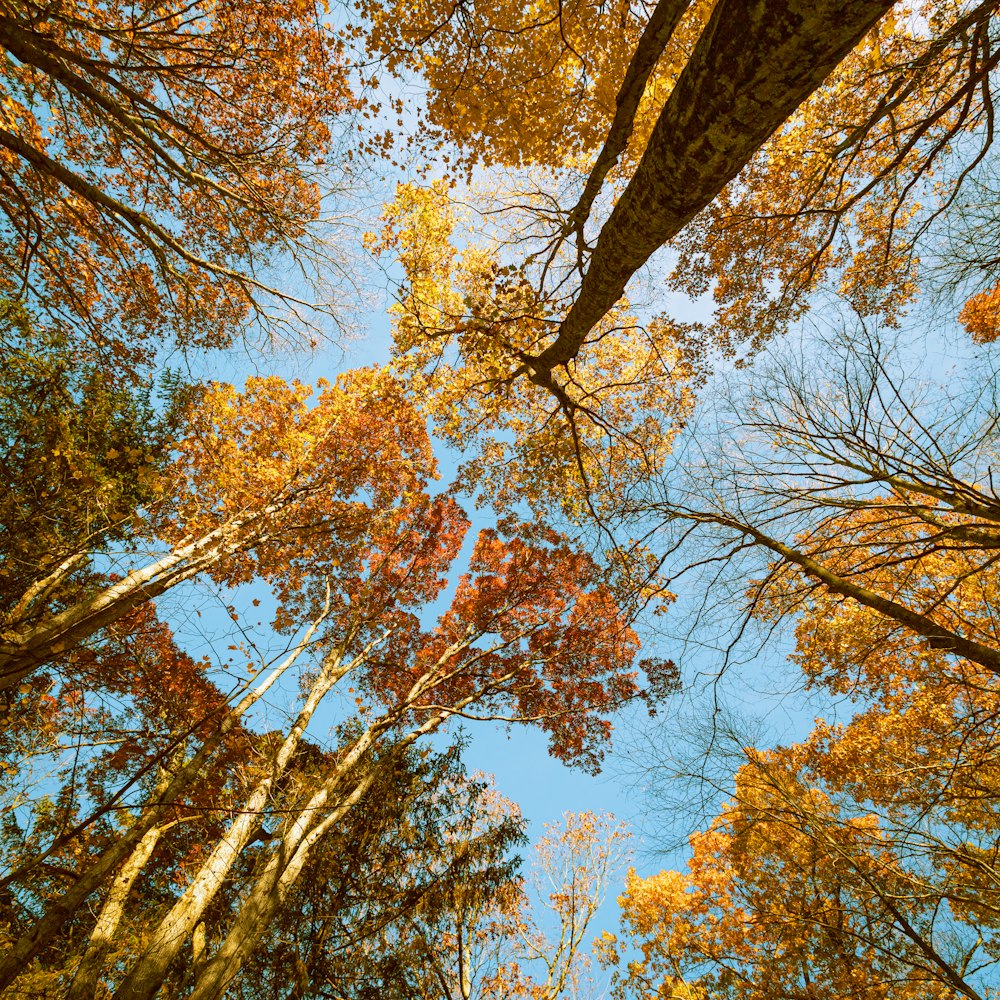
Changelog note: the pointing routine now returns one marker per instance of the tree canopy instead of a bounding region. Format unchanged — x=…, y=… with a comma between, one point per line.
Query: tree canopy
x=659, y=273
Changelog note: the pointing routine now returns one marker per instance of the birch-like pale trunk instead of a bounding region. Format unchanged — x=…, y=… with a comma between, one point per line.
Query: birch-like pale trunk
x=271, y=890
x=23, y=651
x=319, y=815
x=268, y=896
x=170, y=936
x=48, y=926
x=88, y=973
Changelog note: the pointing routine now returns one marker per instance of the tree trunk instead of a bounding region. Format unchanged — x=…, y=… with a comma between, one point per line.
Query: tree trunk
x=285, y=865
x=60, y=910
x=754, y=64
x=88, y=973
x=170, y=936
x=22, y=652
x=267, y=897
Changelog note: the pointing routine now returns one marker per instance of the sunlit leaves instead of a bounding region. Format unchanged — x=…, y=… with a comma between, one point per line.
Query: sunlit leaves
x=154, y=159
x=465, y=327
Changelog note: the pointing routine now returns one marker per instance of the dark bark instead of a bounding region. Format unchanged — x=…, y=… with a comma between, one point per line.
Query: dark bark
x=754, y=64
x=920, y=624
x=659, y=29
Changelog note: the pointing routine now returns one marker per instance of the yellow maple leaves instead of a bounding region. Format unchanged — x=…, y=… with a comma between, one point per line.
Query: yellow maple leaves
x=843, y=190
x=515, y=82
x=785, y=896
x=841, y=863
x=981, y=315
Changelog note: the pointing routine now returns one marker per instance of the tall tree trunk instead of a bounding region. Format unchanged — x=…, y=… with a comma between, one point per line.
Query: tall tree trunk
x=170, y=936
x=285, y=865
x=24, y=650
x=268, y=896
x=45, y=929
x=754, y=64
x=88, y=973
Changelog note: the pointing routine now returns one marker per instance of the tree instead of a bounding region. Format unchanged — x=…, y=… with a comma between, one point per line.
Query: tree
x=795, y=893
x=791, y=188
x=153, y=773
x=575, y=862
x=157, y=159
x=528, y=941
x=533, y=634
x=521, y=345
x=366, y=928
x=260, y=485
x=558, y=659
x=81, y=454
x=864, y=487
x=370, y=873
x=860, y=859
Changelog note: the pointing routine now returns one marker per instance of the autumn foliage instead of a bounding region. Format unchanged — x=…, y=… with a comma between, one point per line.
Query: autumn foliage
x=155, y=158
x=265, y=488
x=654, y=272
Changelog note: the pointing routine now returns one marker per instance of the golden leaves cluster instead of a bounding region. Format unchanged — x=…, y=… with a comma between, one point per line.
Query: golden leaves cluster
x=466, y=327
x=156, y=157
x=510, y=83
x=331, y=487
x=843, y=191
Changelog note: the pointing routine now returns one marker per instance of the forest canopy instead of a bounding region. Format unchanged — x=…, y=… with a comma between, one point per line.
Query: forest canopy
x=691, y=311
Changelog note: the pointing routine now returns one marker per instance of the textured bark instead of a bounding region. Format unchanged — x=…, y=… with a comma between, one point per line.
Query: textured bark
x=754, y=64
x=664, y=19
